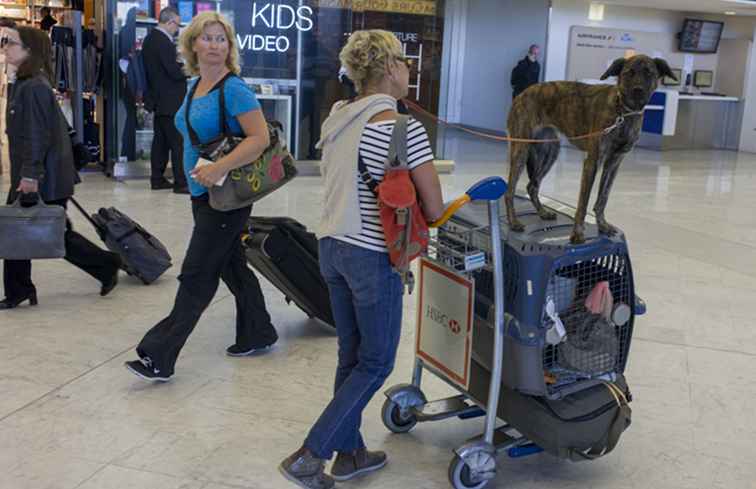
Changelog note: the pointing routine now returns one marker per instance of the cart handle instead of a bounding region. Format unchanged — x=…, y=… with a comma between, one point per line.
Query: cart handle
x=491, y=188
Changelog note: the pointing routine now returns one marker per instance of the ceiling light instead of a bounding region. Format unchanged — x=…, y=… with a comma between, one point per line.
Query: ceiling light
x=730, y=12
x=596, y=12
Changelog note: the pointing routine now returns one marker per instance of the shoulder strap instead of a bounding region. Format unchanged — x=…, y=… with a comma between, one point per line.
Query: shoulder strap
x=397, y=156
x=222, y=112
x=397, y=153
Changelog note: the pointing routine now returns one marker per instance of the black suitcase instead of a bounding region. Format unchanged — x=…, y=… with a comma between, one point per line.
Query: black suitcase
x=285, y=253
x=143, y=255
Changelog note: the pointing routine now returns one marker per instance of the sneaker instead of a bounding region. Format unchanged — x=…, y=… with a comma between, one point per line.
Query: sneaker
x=350, y=465
x=145, y=369
x=305, y=470
x=237, y=350
x=245, y=351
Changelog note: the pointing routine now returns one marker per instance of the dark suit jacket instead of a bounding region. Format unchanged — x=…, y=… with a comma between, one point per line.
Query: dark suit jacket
x=165, y=79
x=38, y=140
x=525, y=74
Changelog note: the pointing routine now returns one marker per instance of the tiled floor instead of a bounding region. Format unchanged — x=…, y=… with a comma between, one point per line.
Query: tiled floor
x=72, y=417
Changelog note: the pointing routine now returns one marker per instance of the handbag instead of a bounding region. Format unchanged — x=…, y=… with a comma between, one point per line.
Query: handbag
x=245, y=185
x=30, y=233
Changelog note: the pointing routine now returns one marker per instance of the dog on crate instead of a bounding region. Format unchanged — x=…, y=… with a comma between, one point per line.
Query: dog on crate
x=574, y=109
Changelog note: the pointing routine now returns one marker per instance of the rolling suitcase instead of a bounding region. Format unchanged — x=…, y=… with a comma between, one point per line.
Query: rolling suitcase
x=143, y=255
x=285, y=253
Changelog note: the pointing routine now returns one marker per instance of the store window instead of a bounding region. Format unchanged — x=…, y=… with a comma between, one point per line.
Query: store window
x=289, y=51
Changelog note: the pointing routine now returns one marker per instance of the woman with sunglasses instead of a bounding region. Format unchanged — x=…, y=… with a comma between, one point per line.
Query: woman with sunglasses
x=41, y=161
x=366, y=293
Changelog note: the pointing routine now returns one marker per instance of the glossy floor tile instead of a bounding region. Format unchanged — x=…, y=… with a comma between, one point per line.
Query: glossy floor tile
x=72, y=417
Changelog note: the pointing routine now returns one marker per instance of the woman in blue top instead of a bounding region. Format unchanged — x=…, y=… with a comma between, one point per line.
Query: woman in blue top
x=215, y=250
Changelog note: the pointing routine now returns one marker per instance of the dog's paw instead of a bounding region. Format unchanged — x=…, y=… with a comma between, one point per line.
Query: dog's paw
x=607, y=229
x=577, y=238
x=516, y=226
x=547, y=215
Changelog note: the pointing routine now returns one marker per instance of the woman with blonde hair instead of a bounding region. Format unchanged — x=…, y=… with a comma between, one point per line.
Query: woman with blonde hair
x=366, y=293
x=209, y=48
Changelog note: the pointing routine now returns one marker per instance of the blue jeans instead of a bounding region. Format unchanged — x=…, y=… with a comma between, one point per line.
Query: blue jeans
x=366, y=297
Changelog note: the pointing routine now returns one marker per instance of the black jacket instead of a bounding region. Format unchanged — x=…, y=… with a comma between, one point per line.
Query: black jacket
x=38, y=140
x=525, y=74
x=47, y=22
x=165, y=79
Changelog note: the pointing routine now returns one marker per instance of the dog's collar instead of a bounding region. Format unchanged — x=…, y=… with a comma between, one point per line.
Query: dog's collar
x=623, y=112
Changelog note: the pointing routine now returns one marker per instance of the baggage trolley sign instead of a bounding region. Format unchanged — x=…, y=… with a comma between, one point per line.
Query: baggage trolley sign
x=444, y=321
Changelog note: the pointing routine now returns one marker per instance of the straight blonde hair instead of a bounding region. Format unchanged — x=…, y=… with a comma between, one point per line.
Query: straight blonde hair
x=195, y=30
x=367, y=54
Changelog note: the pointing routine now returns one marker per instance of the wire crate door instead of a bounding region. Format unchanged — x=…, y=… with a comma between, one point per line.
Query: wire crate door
x=444, y=321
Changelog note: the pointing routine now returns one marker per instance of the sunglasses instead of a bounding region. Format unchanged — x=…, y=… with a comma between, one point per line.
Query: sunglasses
x=409, y=63
x=7, y=41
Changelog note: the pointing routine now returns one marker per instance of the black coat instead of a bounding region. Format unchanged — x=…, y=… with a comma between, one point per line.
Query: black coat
x=165, y=79
x=525, y=74
x=38, y=140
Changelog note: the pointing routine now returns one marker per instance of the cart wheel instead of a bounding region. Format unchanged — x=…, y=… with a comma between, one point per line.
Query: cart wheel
x=459, y=475
x=392, y=418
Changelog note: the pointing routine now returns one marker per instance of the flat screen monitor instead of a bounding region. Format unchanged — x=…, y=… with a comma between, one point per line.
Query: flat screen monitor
x=703, y=79
x=700, y=36
x=670, y=82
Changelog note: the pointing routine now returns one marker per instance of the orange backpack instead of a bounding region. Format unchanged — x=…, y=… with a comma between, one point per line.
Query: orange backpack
x=404, y=224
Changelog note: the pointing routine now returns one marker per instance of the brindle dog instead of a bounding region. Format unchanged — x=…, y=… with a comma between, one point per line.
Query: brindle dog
x=576, y=109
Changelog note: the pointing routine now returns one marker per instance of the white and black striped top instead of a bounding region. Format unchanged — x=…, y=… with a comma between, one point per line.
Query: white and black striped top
x=374, y=146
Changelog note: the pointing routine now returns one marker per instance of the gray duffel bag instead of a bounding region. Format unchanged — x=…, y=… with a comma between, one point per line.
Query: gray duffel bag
x=32, y=233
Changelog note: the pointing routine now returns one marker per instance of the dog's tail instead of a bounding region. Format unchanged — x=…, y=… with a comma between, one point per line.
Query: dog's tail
x=543, y=155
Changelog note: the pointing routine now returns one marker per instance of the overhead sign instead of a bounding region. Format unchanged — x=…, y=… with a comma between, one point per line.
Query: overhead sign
x=416, y=7
x=444, y=321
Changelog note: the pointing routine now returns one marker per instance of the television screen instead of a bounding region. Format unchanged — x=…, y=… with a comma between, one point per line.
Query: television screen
x=700, y=36
x=703, y=79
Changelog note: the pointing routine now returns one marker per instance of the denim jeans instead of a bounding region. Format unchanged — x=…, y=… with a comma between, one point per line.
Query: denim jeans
x=366, y=297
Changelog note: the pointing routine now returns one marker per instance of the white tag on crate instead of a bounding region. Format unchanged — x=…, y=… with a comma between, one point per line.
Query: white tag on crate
x=475, y=261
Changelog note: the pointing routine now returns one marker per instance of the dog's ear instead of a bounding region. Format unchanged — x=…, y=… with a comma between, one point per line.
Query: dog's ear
x=664, y=70
x=615, y=69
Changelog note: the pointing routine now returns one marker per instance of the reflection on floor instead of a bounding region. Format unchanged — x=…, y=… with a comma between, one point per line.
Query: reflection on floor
x=72, y=417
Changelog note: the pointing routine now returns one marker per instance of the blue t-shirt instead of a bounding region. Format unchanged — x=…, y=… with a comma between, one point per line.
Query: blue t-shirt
x=204, y=117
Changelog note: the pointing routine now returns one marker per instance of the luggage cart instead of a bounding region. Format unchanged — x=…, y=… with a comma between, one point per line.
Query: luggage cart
x=545, y=396
x=474, y=463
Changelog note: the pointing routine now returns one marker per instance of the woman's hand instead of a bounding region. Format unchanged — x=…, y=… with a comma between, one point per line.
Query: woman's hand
x=28, y=186
x=208, y=175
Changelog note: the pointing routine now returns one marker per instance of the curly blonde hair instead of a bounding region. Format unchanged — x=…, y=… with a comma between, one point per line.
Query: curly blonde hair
x=195, y=30
x=367, y=54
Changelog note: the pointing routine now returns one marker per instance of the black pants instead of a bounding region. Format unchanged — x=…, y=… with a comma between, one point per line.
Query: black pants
x=215, y=252
x=167, y=143
x=81, y=252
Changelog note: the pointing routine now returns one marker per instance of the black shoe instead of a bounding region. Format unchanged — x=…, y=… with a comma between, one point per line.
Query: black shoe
x=107, y=287
x=13, y=303
x=237, y=350
x=162, y=185
x=181, y=190
x=145, y=369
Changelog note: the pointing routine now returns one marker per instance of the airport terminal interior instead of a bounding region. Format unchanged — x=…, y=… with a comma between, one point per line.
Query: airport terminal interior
x=71, y=416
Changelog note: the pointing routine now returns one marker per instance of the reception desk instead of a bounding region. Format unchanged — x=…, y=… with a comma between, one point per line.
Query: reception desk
x=676, y=121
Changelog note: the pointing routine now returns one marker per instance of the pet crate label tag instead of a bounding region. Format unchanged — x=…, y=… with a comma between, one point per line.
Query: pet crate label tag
x=444, y=321
x=475, y=261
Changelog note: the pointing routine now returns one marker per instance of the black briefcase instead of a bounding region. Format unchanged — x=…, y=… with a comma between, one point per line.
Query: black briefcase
x=32, y=233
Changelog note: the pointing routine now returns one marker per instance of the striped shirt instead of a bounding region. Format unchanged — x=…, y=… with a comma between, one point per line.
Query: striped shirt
x=374, y=146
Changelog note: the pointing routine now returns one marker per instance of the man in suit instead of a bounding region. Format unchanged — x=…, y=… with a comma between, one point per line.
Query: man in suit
x=166, y=90
x=527, y=72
